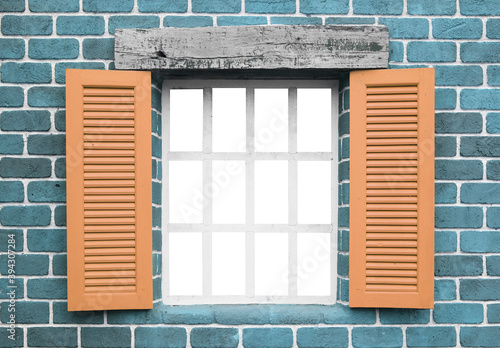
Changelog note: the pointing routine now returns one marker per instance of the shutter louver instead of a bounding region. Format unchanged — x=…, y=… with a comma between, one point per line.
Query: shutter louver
x=109, y=190
x=392, y=189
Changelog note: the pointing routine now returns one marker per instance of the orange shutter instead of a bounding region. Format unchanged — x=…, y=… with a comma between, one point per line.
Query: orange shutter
x=392, y=189
x=108, y=164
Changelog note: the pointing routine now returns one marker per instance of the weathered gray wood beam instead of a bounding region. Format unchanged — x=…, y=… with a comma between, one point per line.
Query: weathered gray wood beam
x=253, y=47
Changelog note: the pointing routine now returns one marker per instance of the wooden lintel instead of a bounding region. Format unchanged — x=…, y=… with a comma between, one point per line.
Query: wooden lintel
x=253, y=47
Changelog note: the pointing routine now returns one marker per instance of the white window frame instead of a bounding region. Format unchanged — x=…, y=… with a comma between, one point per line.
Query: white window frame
x=250, y=156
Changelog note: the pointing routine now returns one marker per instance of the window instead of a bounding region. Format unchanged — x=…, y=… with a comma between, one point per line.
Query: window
x=250, y=198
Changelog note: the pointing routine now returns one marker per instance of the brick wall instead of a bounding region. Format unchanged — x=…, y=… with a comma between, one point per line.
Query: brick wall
x=460, y=38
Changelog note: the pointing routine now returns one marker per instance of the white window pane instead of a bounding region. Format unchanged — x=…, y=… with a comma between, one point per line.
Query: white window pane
x=314, y=192
x=186, y=119
x=314, y=119
x=185, y=181
x=228, y=263
x=228, y=119
x=271, y=120
x=271, y=192
x=313, y=263
x=228, y=179
x=271, y=264
x=185, y=260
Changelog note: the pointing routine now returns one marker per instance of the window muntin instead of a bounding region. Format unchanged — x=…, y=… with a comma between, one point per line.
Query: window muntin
x=226, y=239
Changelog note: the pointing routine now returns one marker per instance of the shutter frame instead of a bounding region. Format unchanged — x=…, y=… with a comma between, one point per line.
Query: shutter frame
x=359, y=295
x=138, y=85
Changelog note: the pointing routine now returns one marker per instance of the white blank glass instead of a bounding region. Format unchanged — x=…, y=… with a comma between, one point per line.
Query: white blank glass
x=271, y=120
x=185, y=198
x=313, y=264
x=271, y=264
x=186, y=119
x=228, y=263
x=271, y=192
x=314, y=119
x=185, y=260
x=314, y=192
x=228, y=201
x=229, y=119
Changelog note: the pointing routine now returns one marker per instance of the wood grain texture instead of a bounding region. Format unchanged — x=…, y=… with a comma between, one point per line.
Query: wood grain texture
x=253, y=47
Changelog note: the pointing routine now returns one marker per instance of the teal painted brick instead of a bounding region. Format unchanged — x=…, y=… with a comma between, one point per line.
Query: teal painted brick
x=493, y=28
x=459, y=169
x=47, y=96
x=445, y=290
x=493, y=265
x=7, y=290
x=493, y=217
x=27, y=264
x=445, y=193
x=344, y=243
x=406, y=28
x=485, y=193
x=188, y=21
x=345, y=148
x=27, y=312
x=5, y=237
x=60, y=167
x=160, y=337
x=60, y=215
x=458, y=217
x=346, y=98
x=18, y=340
x=480, y=242
x=106, y=337
x=296, y=20
x=59, y=264
x=442, y=336
x=163, y=6
x=480, y=99
x=47, y=240
x=53, y=337
x=324, y=7
x=50, y=144
x=26, y=72
x=25, y=167
x=11, y=48
x=159, y=175
x=11, y=191
x=35, y=215
x=458, y=313
x=134, y=317
x=267, y=337
x=458, y=265
x=349, y=20
x=270, y=6
x=396, y=51
x=11, y=97
x=481, y=52
x=418, y=51
x=25, y=120
x=471, y=336
x=344, y=170
x=156, y=264
x=156, y=193
x=388, y=337
x=217, y=6
x=493, y=75
x=445, y=241
x=457, y=28
x=80, y=25
x=156, y=146
x=210, y=337
x=480, y=7
x=431, y=7
x=493, y=312
x=154, y=168
x=271, y=314
x=154, y=122
x=450, y=75
x=344, y=124
x=445, y=146
x=108, y=5
x=343, y=265
x=318, y=337
x=47, y=191
x=392, y=316
x=384, y=7
x=60, y=118
x=459, y=122
x=343, y=285
x=12, y=6
x=11, y=144
x=191, y=315
x=340, y=314
x=157, y=294
x=62, y=316
x=53, y=48
x=47, y=288
x=127, y=22
x=445, y=99
x=26, y=25
x=99, y=48
x=54, y=6
x=345, y=193
x=343, y=217
x=480, y=289
x=480, y=146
